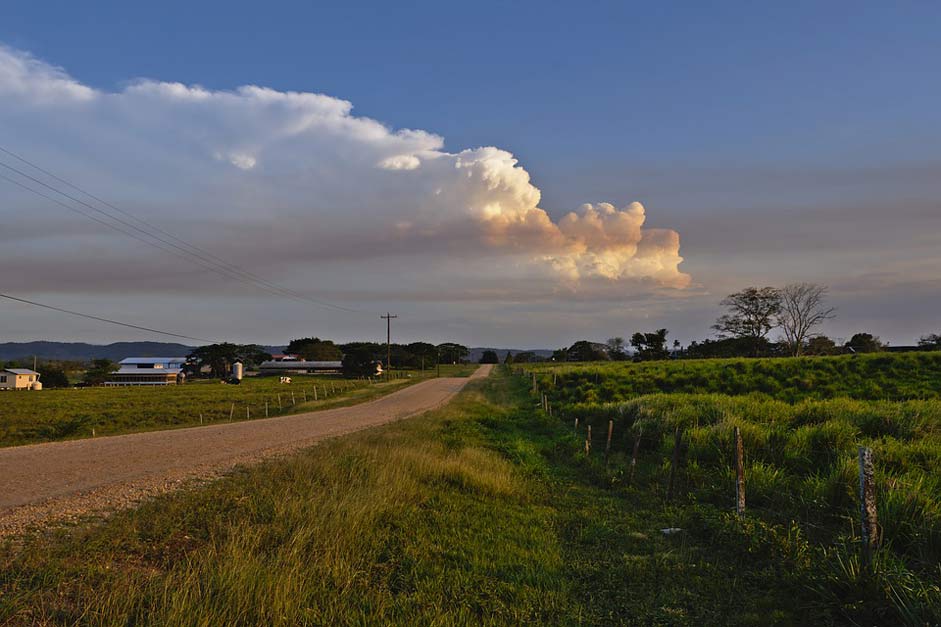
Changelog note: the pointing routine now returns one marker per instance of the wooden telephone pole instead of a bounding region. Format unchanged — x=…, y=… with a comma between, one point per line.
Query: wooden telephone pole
x=388, y=318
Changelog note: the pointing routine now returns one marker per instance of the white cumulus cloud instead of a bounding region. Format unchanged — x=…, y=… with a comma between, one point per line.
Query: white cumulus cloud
x=293, y=178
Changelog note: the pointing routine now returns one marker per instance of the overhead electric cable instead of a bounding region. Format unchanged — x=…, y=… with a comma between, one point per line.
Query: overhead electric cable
x=204, y=257
x=108, y=320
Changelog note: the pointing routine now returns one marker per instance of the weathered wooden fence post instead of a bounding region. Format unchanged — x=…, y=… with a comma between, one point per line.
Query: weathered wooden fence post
x=867, y=506
x=315, y=392
x=677, y=442
x=739, y=473
x=248, y=413
x=279, y=402
x=576, y=426
x=231, y=411
x=304, y=392
x=292, y=398
x=634, y=456
x=266, y=408
x=607, y=446
x=588, y=442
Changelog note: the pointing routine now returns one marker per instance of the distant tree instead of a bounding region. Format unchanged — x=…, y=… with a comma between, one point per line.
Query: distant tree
x=801, y=310
x=52, y=377
x=931, y=342
x=524, y=357
x=359, y=361
x=489, y=357
x=821, y=345
x=864, y=343
x=651, y=346
x=752, y=314
x=561, y=354
x=732, y=347
x=584, y=350
x=423, y=353
x=220, y=357
x=452, y=353
x=99, y=371
x=314, y=349
x=616, y=349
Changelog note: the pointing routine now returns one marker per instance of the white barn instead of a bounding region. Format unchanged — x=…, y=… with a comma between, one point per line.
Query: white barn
x=149, y=371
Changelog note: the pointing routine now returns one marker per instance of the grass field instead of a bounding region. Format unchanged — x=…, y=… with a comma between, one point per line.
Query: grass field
x=484, y=512
x=801, y=455
x=30, y=417
x=878, y=376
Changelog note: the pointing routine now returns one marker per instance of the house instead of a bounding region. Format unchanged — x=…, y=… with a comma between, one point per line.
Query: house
x=301, y=367
x=149, y=371
x=19, y=379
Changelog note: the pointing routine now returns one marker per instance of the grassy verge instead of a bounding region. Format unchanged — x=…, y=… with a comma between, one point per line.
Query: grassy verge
x=483, y=512
x=32, y=417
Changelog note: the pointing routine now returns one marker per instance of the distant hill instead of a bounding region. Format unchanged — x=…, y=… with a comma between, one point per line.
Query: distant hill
x=78, y=351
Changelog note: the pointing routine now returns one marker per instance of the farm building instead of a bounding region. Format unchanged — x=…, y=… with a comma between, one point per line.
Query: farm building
x=149, y=371
x=19, y=379
x=301, y=367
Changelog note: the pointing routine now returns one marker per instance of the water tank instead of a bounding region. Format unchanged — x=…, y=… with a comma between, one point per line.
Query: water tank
x=237, y=371
x=35, y=386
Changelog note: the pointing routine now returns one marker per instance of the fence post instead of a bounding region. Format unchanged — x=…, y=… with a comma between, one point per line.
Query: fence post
x=315, y=392
x=231, y=411
x=248, y=413
x=279, y=402
x=634, y=455
x=588, y=442
x=607, y=446
x=292, y=398
x=304, y=392
x=266, y=408
x=739, y=473
x=200, y=417
x=535, y=389
x=867, y=506
x=677, y=441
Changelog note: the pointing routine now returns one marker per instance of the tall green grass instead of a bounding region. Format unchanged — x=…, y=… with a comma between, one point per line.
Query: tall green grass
x=801, y=444
x=880, y=376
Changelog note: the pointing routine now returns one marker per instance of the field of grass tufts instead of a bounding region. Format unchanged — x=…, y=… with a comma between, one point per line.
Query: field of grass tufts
x=486, y=512
x=878, y=376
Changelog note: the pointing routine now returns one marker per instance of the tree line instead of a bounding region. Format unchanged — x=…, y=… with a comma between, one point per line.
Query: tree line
x=796, y=311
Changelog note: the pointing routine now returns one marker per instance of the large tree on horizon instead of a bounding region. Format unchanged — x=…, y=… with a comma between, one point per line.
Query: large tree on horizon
x=752, y=315
x=801, y=310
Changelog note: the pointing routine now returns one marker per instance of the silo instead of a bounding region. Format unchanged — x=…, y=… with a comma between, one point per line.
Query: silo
x=237, y=370
x=35, y=386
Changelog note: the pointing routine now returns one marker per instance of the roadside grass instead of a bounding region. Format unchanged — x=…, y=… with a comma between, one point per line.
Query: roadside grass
x=485, y=512
x=66, y=414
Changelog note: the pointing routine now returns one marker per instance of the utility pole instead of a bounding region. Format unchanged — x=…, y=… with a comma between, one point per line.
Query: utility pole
x=388, y=318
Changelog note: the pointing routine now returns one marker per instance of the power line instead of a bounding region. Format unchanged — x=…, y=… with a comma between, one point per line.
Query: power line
x=201, y=256
x=108, y=320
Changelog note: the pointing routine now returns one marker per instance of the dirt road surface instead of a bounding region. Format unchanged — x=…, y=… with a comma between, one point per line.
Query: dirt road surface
x=59, y=481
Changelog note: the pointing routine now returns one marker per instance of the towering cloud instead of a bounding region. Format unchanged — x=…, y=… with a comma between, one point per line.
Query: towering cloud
x=294, y=178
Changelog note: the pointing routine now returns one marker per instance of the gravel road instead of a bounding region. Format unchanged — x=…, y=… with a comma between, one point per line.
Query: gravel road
x=59, y=481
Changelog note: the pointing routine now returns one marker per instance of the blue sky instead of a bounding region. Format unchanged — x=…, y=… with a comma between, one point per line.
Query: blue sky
x=782, y=142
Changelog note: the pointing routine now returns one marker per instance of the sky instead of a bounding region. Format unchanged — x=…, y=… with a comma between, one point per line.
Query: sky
x=508, y=174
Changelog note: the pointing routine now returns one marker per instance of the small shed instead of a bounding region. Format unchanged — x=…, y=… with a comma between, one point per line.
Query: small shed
x=18, y=379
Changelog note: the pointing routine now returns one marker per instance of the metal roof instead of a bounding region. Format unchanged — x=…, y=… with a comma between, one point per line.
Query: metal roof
x=20, y=371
